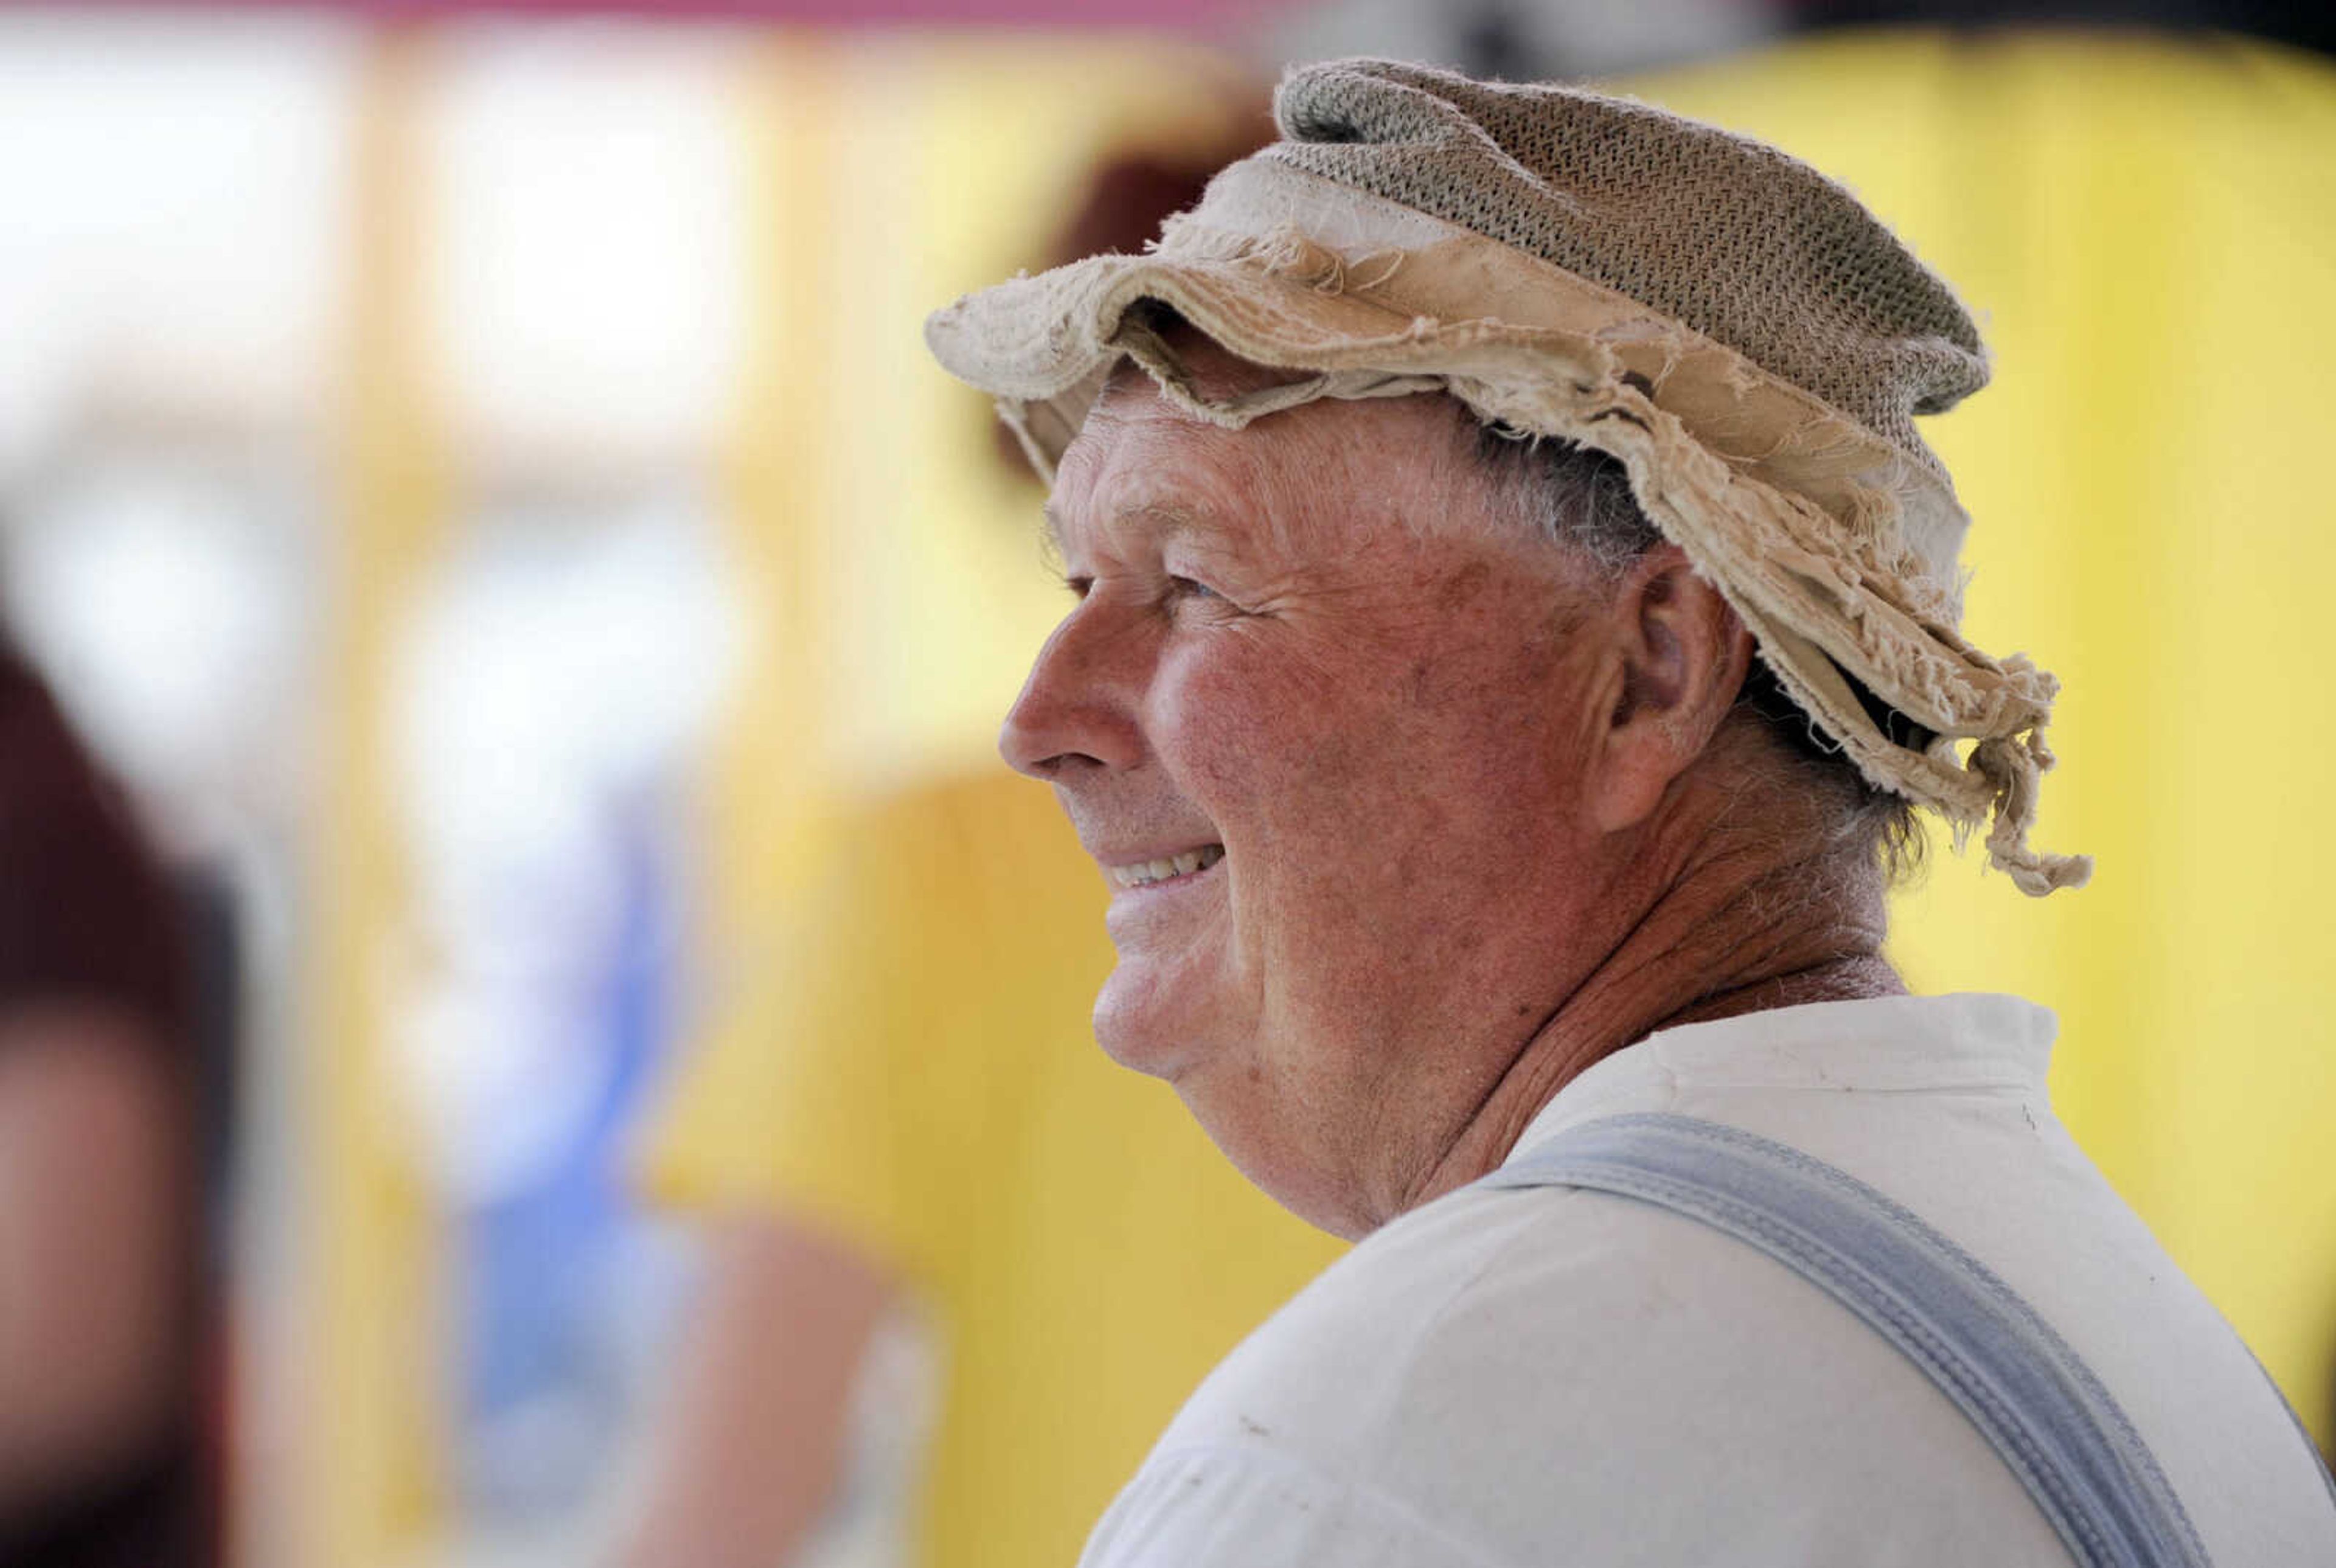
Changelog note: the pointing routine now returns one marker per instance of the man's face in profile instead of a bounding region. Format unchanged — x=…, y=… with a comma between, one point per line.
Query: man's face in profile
x=1318, y=716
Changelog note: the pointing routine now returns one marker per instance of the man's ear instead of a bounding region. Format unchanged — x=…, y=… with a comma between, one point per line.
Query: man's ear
x=1683, y=655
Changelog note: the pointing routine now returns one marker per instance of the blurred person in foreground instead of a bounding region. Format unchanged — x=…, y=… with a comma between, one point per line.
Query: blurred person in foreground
x=104, y=1461
x=1516, y=621
x=913, y=1115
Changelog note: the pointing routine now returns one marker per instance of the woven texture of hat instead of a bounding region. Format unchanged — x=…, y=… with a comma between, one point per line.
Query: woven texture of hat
x=1749, y=246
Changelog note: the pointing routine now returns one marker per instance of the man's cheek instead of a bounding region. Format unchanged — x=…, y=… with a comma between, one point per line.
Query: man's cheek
x=1226, y=728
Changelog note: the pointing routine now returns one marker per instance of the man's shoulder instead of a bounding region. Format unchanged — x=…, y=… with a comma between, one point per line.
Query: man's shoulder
x=1490, y=1300
x=1514, y=1367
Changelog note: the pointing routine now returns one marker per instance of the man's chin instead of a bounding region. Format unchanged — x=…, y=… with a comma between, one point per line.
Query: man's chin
x=1145, y=1020
x=1215, y=1073
x=1140, y=1041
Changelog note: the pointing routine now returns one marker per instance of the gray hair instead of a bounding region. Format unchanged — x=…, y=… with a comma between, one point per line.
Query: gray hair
x=1581, y=498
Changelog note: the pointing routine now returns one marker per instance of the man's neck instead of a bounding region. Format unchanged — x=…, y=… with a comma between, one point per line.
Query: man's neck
x=1724, y=940
x=1845, y=979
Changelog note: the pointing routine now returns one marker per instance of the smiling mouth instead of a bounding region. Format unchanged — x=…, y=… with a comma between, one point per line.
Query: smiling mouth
x=1145, y=873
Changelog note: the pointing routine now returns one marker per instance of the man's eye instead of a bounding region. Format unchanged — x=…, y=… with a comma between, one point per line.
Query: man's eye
x=1190, y=588
x=1078, y=585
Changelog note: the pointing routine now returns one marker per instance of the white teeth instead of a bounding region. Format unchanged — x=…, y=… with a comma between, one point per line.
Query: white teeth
x=1144, y=874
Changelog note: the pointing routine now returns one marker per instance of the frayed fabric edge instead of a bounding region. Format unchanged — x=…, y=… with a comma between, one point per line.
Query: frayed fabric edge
x=1816, y=608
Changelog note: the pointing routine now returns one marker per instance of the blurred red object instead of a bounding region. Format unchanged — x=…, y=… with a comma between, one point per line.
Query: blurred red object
x=110, y=1439
x=1132, y=190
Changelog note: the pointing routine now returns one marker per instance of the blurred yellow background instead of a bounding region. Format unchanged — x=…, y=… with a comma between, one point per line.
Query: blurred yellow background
x=2145, y=226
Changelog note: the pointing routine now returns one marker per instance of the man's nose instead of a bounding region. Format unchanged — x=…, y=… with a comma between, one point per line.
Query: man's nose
x=1078, y=705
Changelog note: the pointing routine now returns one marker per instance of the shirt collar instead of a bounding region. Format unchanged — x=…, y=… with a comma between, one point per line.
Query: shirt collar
x=1972, y=1041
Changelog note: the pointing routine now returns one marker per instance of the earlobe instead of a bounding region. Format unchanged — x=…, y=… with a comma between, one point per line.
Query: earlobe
x=1684, y=654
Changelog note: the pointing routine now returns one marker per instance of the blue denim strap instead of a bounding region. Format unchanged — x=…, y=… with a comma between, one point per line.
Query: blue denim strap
x=2018, y=1381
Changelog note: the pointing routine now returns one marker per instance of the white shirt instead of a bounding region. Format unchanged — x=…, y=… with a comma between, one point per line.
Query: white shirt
x=1560, y=1377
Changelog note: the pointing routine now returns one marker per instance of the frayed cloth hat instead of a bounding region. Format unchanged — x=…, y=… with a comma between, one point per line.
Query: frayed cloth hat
x=1749, y=341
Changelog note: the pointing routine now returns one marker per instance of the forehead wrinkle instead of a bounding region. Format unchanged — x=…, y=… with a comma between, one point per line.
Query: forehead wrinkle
x=1303, y=476
x=1181, y=478
x=1144, y=517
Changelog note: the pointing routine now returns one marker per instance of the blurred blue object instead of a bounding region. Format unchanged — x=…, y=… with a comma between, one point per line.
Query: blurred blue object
x=563, y=1284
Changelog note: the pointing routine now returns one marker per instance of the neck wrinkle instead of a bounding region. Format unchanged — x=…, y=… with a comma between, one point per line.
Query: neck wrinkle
x=1735, y=933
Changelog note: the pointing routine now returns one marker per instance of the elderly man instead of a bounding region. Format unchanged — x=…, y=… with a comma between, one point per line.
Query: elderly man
x=1515, y=617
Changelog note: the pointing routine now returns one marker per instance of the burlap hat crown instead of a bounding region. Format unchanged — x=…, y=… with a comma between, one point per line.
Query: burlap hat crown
x=1734, y=328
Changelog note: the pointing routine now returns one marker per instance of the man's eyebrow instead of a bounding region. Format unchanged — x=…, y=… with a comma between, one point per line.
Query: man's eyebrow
x=1162, y=518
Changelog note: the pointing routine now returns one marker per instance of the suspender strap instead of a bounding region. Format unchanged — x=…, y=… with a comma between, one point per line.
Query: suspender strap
x=2018, y=1381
